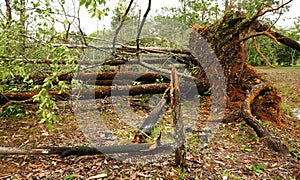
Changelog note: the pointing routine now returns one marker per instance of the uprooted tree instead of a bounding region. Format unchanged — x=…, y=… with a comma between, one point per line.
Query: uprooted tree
x=227, y=37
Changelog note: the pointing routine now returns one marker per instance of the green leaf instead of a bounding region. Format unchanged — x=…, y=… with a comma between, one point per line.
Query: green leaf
x=99, y=14
x=88, y=3
x=247, y=148
x=66, y=21
x=42, y=120
x=82, y=2
x=257, y=168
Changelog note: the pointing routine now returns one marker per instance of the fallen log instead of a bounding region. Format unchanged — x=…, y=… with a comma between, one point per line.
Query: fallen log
x=98, y=76
x=104, y=91
x=113, y=62
x=145, y=148
x=97, y=92
x=137, y=76
x=261, y=131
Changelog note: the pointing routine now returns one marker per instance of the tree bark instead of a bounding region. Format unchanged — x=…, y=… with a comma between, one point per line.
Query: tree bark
x=92, y=77
x=104, y=91
x=97, y=92
x=144, y=148
x=8, y=11
x=180, y=153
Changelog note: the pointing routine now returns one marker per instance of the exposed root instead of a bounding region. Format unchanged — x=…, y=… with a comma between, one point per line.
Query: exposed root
x=260, y=130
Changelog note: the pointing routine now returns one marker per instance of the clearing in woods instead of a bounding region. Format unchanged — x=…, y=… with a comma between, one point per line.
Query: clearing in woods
x=235, y=151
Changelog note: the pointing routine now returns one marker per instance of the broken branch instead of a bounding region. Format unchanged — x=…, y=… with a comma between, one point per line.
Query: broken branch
x=261, y=54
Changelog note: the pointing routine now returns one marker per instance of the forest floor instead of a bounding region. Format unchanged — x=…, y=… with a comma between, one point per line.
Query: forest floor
x=234, y=152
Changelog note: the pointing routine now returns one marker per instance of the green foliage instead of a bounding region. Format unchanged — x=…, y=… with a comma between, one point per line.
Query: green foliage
x=280, y=54
x=92, y=6
x=257, y=168
x=247, y=148
x=266, y=46
x=13, y=111
x=181, y=173
x=287, y=56
x=46, y=108
x=263, y=122
x=286, y=109
x=194, y=12
x=294, y=154
x=119, y=11
x=160, y=79
x=70, y=176
x=29, y=35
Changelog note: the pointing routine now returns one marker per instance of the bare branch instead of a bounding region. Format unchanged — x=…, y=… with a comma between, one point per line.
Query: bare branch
x=259, y=27
x=140, y=30
x=120, y=25
x=164, y=71
x=261, y=13
x=79, y=27
x=266, y=33
x=261, y=54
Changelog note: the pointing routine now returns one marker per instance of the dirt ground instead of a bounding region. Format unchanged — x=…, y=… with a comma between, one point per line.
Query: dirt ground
x=234, y=152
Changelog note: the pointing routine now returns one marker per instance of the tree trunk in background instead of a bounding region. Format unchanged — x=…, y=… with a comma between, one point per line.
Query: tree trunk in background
x=226, y=4
x=22, y=26
x=8, y=11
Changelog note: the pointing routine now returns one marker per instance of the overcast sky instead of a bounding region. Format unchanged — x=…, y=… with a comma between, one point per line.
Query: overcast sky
x=90, y=25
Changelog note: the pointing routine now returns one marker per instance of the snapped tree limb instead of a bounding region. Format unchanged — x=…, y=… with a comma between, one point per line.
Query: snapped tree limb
x=260, y=27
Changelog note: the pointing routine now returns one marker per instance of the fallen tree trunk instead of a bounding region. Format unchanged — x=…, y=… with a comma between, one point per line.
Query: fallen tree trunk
x=226, y=38
x=99, y=76
x=113, y=62
x=97, y=92
x=138, y=76
x=260, y=130
x=145, y=148
x=103, y=91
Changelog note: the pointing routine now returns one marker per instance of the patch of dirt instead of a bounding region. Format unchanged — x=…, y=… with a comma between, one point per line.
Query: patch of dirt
x=271, y=103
